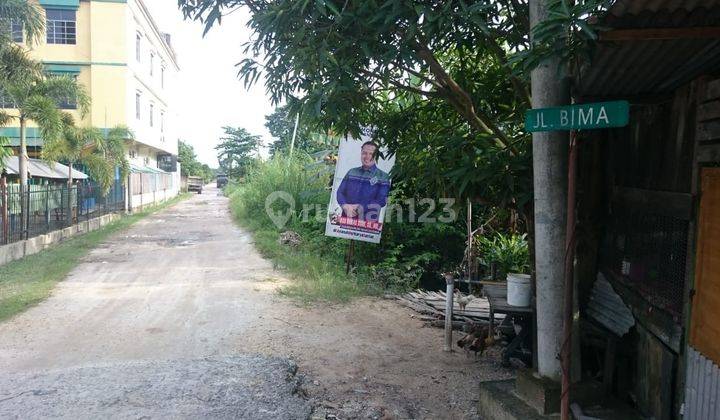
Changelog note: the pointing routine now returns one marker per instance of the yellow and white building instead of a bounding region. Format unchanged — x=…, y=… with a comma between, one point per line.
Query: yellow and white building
x=129, y=68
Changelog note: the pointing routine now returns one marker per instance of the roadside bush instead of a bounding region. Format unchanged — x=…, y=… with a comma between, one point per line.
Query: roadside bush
x=410, y=254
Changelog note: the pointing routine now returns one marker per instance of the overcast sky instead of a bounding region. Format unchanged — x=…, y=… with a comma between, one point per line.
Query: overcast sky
x=211, y=94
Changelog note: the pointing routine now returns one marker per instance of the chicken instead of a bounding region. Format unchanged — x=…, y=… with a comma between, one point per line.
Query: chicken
x=463, y=301
x=476, y=340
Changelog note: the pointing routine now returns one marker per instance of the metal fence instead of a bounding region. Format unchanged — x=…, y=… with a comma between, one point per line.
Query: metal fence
x=38, y=209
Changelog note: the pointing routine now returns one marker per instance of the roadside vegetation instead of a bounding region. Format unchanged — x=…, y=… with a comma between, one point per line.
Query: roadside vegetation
x=190, y=165
x=316, y=262
x=30, y=280
x=444, y=87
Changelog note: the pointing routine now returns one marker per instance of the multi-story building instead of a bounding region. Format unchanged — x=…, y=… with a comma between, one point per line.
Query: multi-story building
x=129, y=68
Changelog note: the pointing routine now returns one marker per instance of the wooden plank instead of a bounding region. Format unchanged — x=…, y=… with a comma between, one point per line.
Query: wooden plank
x=708, y=153
x=709, y=111
x=704, y=329
x=712, y=91
x=672, y=204
x=652, y=34
x=708, y=131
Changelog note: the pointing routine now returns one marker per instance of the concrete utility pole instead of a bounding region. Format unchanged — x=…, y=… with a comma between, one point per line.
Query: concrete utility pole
x=550, y=159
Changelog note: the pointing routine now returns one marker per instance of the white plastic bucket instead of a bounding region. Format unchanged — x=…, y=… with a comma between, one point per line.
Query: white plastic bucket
x=519, y=290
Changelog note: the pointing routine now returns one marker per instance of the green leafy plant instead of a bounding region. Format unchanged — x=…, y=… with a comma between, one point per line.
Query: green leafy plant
x=569, y=33
x=508, y=253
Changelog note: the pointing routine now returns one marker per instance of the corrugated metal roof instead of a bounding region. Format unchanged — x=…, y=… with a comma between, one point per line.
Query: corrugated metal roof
x=41, y=169
x=634, y=7
x=608, y=308
x=630, y=68
x=702, y=387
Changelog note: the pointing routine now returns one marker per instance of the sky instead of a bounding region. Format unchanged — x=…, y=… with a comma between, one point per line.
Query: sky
x=211, y=94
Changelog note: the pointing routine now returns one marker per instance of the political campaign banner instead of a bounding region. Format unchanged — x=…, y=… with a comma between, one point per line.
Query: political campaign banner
x=360, y=191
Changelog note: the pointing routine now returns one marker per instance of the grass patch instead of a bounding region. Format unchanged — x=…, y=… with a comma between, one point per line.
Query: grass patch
x=316, y=266
x=30, y=280
x=316, y=277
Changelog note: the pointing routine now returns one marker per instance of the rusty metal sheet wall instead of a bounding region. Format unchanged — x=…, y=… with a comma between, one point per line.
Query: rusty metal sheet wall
x=702, y=387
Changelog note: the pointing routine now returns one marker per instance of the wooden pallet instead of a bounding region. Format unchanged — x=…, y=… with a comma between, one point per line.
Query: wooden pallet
x=433, y=304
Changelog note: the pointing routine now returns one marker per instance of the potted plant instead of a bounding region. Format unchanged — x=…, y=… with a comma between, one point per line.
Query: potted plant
x=509, y=255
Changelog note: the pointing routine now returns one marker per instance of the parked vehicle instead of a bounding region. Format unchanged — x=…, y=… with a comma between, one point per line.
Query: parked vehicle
x=222, y=180
x=195, y=183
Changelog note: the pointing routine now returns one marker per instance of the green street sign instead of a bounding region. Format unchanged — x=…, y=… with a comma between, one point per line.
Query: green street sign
x=578, y=117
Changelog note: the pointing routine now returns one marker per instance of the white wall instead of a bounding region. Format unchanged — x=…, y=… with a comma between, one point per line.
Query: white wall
x=160, y=95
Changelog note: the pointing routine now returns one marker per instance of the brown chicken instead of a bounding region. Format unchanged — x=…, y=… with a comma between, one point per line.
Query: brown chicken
x=476, y=340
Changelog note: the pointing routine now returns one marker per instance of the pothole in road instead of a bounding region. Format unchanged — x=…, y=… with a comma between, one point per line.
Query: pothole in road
x=184, y=239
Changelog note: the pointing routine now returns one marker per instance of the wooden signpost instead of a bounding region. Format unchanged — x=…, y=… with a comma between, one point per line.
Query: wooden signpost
x=572, y=118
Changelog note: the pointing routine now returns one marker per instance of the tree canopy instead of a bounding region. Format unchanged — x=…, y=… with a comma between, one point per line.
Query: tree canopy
x=444, y=83
x=340, y=55
x=236, y=151
x=190, y=165
x=433, y=78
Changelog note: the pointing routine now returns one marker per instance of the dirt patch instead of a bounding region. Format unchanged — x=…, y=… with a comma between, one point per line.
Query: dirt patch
x=373, y=359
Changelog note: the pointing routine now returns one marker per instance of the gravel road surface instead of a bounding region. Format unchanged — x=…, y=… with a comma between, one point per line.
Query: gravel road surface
x=144, y=327
x=178, y=317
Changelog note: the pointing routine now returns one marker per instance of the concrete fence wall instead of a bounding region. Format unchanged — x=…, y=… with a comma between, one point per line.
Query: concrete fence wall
x=17, y=250
x=149, y=199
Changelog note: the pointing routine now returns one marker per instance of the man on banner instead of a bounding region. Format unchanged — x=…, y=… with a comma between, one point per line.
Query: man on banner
x=363, y=191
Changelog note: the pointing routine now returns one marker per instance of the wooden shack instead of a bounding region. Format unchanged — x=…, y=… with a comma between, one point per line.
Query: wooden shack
x=649, y=209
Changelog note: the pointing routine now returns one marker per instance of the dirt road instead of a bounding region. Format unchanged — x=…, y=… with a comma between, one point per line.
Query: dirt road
x=182, y=308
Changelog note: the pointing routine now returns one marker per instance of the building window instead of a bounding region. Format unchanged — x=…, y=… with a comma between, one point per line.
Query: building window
x=152, y=111
x=138, y=51
x=137, y=105
x=5, y=101
x=16, y=31
x=68, y=102
x=162, y=121
x=60, y=26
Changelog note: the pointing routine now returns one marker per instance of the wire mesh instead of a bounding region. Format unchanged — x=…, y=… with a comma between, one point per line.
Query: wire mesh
x=649, y=251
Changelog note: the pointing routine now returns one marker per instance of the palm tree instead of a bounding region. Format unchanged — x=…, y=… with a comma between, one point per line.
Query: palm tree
x=36, y=99
x=4, y=150
x=101, y=151
x=14, y=63
x=28, y=13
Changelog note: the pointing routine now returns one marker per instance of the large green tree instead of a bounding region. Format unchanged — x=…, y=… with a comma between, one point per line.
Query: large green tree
x=281, y=125
x=190, y=165
x=340, y=54
x=237, y=150
x=433, y=78
x=444, y=82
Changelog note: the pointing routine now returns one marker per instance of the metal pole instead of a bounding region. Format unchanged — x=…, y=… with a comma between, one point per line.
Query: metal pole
x=47, y=208
x=550, y=154
x=292, y=142
x=566, y=353
x=27, y=213
x=468, y=255
x=5, y=212
x=450, y=283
